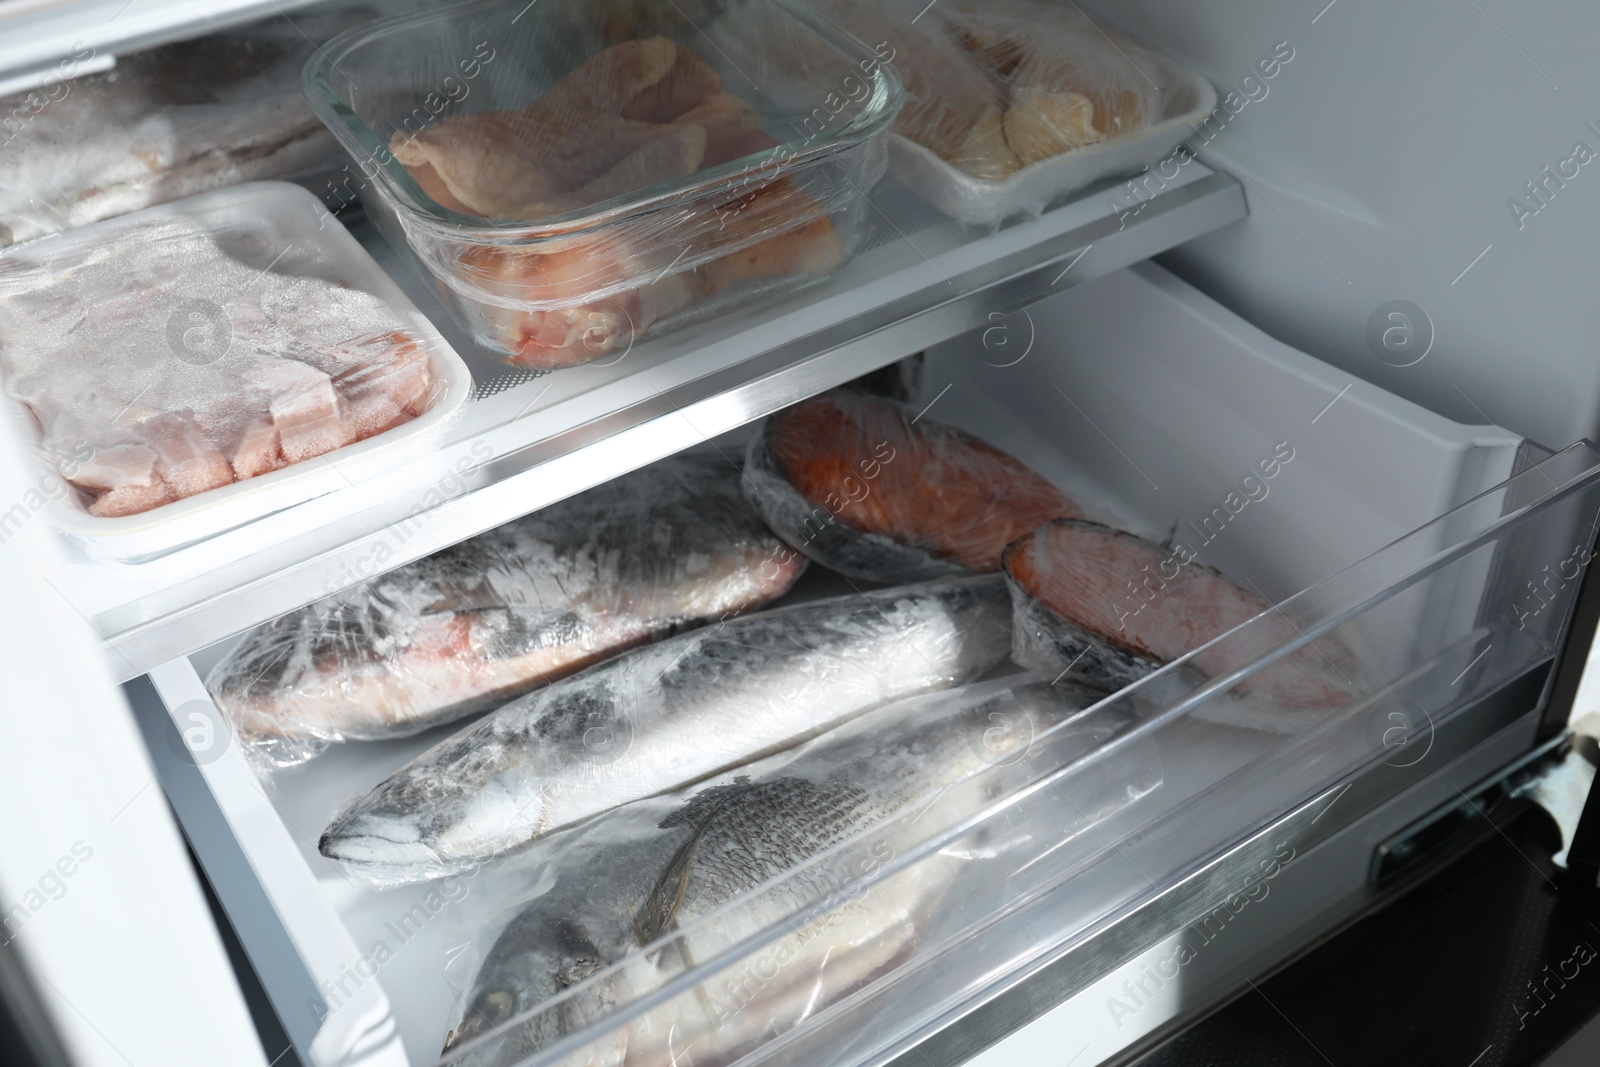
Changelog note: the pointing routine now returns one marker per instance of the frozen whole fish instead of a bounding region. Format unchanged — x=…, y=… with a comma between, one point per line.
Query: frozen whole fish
x=665, y=716
x=865, y=487
x=657, y=550
x=1112, y=608
x=164, y=124
x=651, y=870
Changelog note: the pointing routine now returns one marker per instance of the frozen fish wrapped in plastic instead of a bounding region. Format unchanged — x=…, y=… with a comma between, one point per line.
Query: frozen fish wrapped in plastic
x=164, y=124
x=803, y=841
x=663, y=716
x=666, y=547
x=870, y=488
x=1109, y=608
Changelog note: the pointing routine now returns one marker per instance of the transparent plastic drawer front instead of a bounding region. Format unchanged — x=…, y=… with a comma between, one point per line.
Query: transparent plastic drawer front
x=892, y=933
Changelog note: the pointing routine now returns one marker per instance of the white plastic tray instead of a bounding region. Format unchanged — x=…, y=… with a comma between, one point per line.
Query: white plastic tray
x=293, y=216
x=1189, y=98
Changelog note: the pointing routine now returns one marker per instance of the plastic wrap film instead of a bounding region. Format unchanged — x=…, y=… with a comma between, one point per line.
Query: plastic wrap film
x=1109, y=608
x=993, y=86
x=661, y=717
x=164, y=124
x=832, y=847
x=574, y=185
x=667, y=547
x=871, y=488
x=997, y=870
x=173, y=352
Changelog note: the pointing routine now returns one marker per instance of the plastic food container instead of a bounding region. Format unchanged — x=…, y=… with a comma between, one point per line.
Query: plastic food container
x=1013, y=104
x=1190, y=99
x=577, y=177
x=194, y=366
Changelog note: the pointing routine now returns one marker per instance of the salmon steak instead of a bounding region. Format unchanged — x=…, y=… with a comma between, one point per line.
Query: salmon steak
x=866, y=487
x=467, y=629
x=1110, y=608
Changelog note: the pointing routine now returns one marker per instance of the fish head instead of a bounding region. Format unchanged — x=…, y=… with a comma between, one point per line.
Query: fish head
x=441, y=814
x=524, y=996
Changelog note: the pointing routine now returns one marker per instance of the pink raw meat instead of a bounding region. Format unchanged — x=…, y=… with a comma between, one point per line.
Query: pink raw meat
x=256, y=450
x=305, y=409
x=116, y=466
x=185, y=459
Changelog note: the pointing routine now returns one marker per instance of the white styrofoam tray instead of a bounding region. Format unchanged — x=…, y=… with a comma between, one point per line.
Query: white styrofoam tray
x=293, y=217
x=1188, y=99
x=1137, y=394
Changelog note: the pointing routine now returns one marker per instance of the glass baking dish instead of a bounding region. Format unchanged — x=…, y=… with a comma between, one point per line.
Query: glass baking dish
x=540, y=163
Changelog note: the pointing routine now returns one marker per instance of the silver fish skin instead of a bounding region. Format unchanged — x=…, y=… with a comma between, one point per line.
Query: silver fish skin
x=665, y=716
x=664, y=548
x=650, y=870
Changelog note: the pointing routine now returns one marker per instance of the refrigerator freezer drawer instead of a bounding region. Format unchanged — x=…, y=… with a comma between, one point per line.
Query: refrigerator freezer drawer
x=1153, y=405
x=525, y=441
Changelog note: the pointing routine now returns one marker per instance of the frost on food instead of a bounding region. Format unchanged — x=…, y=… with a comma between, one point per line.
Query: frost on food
x=163, y=124
x=995, y=85
x=187, y=357
x=799, y=843
x=868, y=487
x=659, y=717
x=633, y=116
x=465, y=629
x=1110, y=608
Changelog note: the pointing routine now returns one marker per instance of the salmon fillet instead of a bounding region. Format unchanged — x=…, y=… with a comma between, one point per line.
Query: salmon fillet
x=862, y=485
x=1111, y=607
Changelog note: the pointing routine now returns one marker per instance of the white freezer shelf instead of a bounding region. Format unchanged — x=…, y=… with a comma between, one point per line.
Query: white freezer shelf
x=39, y=39
x=526, y=442
x=307, y=927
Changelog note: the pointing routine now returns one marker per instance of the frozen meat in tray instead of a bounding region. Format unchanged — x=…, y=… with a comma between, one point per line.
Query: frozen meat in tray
x=575, y=181
x=194, y=366
x=1013, y=104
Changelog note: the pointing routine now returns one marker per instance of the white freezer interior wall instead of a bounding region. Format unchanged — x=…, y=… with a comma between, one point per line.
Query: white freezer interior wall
x=1382, y=163
x=1155, y=407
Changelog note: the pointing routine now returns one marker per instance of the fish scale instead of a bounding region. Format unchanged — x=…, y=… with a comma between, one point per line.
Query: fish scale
x=464, y=630
x=655, y=886
x=667, y=715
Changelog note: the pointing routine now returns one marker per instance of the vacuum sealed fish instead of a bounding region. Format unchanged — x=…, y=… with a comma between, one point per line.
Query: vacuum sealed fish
x=664, y=548
x=1109, y=608
x=831, y=843
x=866, y=487
x=164, y=124
x=663, y=716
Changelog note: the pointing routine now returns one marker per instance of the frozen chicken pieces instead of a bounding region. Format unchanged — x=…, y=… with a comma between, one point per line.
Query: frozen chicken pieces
x=635, y=115
x=993, y=87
